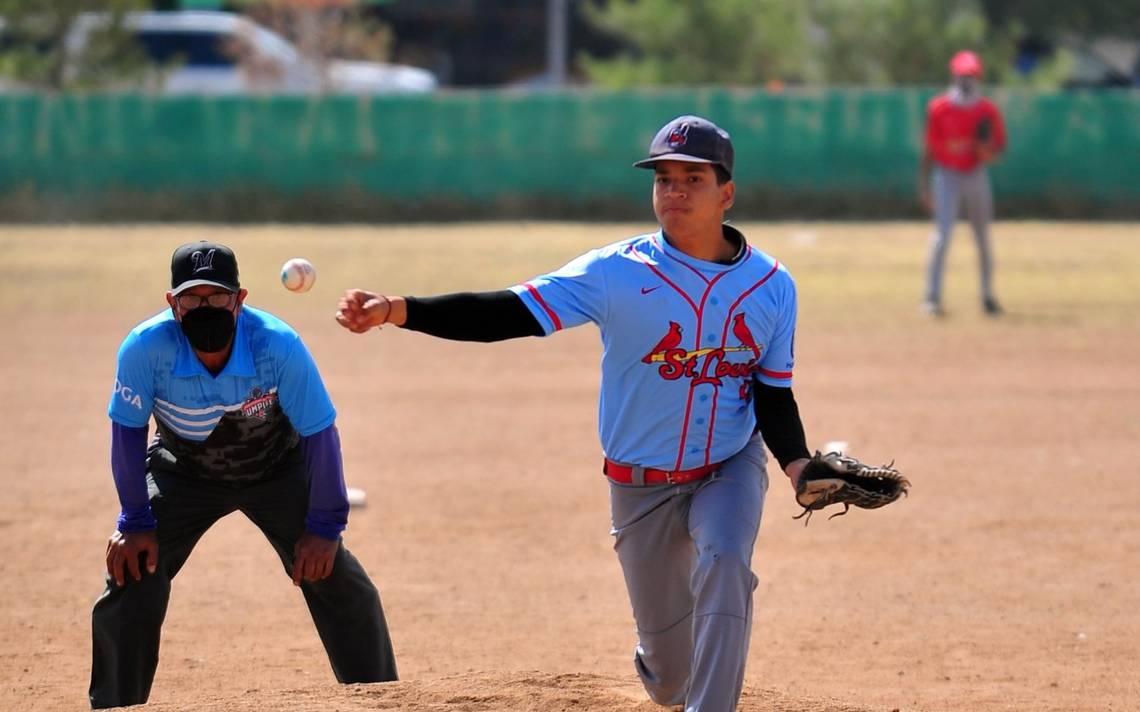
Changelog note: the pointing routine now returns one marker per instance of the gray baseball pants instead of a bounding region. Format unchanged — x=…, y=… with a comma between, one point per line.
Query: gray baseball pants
x=127, y=619
x=952, y=189
x=686, y=553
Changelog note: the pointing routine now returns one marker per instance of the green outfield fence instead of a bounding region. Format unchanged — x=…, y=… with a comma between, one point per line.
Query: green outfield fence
x=463, y=155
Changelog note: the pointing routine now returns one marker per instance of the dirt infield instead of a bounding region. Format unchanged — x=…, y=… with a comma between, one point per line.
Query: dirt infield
x=1007, y=581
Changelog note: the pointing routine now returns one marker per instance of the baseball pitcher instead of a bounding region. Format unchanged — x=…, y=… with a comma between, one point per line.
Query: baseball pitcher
x=698, y=330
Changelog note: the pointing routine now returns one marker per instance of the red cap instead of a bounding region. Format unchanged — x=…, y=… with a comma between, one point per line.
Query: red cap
x=966, y=63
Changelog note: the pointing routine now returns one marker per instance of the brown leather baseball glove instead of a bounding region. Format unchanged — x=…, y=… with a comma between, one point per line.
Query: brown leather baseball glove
x=833, y=478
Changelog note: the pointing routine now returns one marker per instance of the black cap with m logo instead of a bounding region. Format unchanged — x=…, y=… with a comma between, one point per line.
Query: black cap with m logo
x=198, y=263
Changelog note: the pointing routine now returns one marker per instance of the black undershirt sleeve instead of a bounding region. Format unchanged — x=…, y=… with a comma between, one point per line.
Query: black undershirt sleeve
x=778, y=420
x=472, y=316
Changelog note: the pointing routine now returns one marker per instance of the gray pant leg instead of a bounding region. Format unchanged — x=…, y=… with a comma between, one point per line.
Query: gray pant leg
x=126, y=621
x=724, y=519
x=346, y=606
x=685, y=552
x=657, y=556
x=947, y=196
x=979, y=200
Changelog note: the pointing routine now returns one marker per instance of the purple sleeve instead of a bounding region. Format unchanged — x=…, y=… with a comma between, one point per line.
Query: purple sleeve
x=328, y=501
x=128, y=465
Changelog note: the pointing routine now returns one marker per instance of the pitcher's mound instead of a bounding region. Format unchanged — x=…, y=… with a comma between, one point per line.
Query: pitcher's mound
x=484, y=692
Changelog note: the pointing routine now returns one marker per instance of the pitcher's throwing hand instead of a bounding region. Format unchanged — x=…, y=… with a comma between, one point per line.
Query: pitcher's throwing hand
x=359, y=310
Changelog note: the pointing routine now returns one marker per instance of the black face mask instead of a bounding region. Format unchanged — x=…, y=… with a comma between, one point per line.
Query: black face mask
x=208, y=328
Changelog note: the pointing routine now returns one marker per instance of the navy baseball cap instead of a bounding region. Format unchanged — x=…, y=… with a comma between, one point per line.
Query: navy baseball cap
x=198, y=263
x=691, y=139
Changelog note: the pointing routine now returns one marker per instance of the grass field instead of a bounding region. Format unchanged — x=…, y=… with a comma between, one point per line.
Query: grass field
x=1005, y=582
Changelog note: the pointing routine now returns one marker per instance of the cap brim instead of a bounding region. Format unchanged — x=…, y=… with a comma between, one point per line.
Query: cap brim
x=649, y=162
x=200, y=282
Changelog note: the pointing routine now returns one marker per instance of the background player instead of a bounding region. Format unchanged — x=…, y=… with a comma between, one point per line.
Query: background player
x=698, y=330
x=964, y=131
x=244, y=423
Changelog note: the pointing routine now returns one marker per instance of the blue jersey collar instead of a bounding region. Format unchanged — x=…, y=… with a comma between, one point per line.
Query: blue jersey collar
x=240, y=362
x=731, y=233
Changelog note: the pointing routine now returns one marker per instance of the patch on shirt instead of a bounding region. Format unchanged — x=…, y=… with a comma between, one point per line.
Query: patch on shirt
x=707, y=365
x=259, y=403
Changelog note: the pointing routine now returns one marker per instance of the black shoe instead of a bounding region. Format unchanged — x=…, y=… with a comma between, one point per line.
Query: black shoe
x=991, y=307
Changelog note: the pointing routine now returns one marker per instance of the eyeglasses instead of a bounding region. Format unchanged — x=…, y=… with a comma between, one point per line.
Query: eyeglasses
x=221, y=300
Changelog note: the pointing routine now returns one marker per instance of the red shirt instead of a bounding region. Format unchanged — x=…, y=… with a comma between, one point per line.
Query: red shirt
x=951, y=131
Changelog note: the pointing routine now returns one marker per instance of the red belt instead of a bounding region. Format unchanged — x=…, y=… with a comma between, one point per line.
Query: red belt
x=623, y=474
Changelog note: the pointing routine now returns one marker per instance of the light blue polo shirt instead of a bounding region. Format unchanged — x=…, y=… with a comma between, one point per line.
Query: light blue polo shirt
x=234, y=426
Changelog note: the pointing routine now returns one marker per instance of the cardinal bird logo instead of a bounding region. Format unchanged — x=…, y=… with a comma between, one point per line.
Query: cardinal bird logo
x=671, y=340
x=741, y=331
x=709, y=364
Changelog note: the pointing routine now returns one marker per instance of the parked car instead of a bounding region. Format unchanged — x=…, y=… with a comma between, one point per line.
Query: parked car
x=209, y=52
x=1096, y=63
x=1106, y=63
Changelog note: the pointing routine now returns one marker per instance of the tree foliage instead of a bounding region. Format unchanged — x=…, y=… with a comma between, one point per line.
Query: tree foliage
x=345, y=31
x=40, y=49
x=1055, y=19
x=899, y=41
x=866, y=42
x=694, y=42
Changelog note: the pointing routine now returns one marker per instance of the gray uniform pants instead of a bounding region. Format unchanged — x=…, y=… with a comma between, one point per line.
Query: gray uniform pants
x=952, y=189
x=127, y=620
x=686, y=553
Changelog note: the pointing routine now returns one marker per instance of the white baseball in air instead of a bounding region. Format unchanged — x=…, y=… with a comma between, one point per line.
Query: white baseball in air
x=839, y=446
x=356, y=496
x=298, y=275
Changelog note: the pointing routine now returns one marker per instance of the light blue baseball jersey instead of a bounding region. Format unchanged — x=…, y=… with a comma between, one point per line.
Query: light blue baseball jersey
x=235, y=426
x=682, y=341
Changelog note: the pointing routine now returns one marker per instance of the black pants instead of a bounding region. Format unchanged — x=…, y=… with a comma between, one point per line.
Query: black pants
x=127, y=620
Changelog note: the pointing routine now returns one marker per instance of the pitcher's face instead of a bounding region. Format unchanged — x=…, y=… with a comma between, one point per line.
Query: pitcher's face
x=686, y=196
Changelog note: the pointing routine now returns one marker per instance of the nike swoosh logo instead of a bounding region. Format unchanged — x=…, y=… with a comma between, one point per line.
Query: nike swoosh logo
x=647, y=290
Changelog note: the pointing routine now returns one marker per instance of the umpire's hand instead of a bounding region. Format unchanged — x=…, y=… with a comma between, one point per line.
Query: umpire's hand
x=313, y=558
x=123, y=552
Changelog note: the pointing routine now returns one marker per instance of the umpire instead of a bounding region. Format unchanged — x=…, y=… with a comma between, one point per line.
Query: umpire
x=243, y=423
